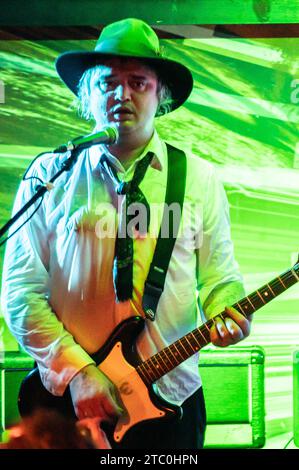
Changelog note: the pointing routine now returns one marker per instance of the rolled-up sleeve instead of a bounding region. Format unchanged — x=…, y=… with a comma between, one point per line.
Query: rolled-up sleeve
x=216, y=261
x=24, y=299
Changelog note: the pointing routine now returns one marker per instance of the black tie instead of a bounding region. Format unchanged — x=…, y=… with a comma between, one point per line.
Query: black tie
x=135, y=201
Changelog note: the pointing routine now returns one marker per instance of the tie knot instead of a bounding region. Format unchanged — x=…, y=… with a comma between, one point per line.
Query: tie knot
x=123, y=187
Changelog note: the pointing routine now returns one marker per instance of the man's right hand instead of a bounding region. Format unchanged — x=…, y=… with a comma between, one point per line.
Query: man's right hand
x=94, y=395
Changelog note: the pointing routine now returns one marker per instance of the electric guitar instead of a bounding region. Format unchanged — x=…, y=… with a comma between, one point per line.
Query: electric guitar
x=134, y=379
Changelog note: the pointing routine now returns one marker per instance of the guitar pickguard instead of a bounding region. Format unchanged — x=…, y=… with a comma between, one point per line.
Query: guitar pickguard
x=133, y=392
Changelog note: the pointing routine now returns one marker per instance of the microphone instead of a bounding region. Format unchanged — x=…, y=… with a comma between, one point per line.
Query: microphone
x=108, y=135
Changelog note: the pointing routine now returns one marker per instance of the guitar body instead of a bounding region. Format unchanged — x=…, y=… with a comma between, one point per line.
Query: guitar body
x=117, y=359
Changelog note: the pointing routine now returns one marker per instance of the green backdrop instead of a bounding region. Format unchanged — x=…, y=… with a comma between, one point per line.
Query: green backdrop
x=242, y=116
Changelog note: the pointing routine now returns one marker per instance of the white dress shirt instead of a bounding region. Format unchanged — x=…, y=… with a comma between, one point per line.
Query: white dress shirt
x=57, y=294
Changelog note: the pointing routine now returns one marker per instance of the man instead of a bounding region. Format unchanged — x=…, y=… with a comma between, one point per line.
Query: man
x=60, y=299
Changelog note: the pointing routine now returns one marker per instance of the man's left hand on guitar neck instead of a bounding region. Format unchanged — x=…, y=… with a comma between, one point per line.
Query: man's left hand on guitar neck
x=233, y=328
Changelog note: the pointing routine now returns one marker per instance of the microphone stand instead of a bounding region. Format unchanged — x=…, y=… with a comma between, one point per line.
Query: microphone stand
x=41, y=190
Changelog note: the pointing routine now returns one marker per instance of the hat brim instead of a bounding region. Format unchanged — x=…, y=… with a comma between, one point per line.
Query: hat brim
x=71, y=65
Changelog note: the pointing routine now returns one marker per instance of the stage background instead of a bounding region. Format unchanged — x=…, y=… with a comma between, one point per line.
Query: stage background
x=242, y=116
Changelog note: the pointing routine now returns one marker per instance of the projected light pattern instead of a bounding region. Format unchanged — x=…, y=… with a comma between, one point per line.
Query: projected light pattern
x=242, y=116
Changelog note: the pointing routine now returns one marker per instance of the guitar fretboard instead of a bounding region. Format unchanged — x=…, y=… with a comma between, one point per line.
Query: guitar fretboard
x=170, y=357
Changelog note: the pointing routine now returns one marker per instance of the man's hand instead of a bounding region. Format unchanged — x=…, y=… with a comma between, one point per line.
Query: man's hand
x=94, y=395
x=232, y=330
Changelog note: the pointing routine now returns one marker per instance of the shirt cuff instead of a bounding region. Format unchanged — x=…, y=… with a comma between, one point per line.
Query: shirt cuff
x=63, y=368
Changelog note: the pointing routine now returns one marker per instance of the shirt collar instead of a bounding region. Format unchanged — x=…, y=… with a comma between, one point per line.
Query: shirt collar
x=155, y=145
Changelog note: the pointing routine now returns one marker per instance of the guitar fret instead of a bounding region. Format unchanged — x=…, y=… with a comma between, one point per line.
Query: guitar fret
x=151, y=371
x=175, y=358
x=181, y=344
x=271, y=289
x=167, y=357
x=267, y=293
x=160, y=356
x=289, y=279
x=277, y=288
x=278, y=277
x=189, y=344
x=247, y=306
x=156, y=363
x=248, y=298
x=198, y=345
x=179, y=352
x=192, y=348
x=199, y=330
x=240, y=307
x=156, y=366
x=158, y=370
x=144, y=368
x=258, y=293
x=295, y=274
x=258, y=301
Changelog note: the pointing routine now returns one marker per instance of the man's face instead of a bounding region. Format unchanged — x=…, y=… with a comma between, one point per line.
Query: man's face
x=124, y=94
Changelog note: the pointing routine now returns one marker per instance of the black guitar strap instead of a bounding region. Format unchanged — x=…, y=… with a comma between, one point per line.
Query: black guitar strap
x=175, y=192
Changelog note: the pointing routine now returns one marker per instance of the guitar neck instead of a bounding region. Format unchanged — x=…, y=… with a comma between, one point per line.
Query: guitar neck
x=170, y=357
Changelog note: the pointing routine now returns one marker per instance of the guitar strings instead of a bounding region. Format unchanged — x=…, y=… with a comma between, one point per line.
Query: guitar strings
x=199, y=334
